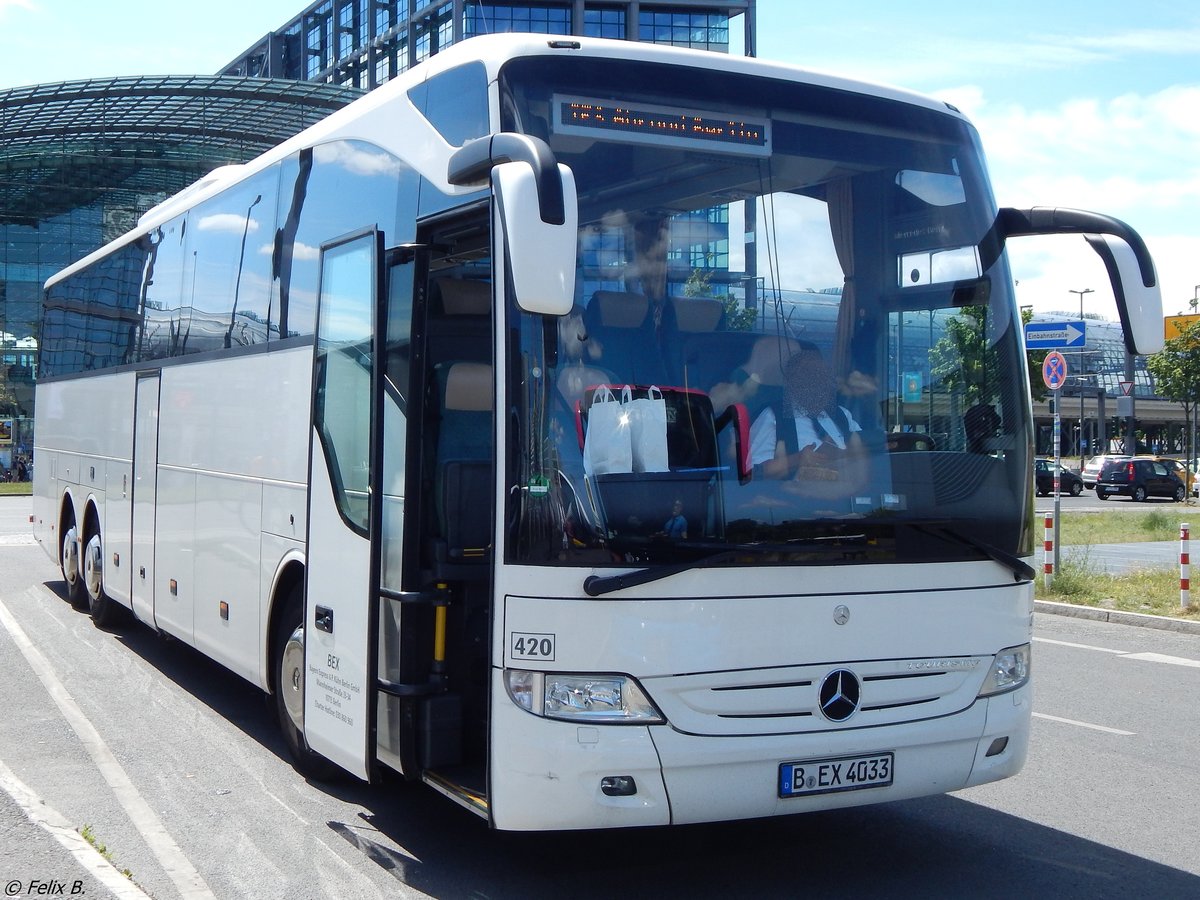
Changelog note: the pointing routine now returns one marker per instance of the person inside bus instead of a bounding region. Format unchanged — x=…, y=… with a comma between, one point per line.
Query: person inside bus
x=981, y=422
x=811, y=440
x=758, y=382
x=676, y=526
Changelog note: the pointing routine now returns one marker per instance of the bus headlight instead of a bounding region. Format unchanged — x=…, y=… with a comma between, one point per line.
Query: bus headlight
x=617, y=699
x=1010, y=670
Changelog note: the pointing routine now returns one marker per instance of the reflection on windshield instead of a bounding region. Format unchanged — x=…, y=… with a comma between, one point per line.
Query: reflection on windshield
x=793, y=353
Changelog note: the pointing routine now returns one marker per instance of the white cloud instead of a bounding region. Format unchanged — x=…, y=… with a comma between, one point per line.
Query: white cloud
x=1149, y=40
x=927, y=57
x=1132, y=156
x=357, y=160
x=229, y=223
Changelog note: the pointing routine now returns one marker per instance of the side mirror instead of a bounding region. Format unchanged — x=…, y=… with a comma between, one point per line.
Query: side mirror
x=1139, y=304
x=538, y=213
x=1130, y=267
x=540, y=254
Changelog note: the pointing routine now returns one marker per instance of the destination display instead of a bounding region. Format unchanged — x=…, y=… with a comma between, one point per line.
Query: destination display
x=656, y=124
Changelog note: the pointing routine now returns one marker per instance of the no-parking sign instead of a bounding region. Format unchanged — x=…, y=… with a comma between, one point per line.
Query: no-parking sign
x=1054, y=370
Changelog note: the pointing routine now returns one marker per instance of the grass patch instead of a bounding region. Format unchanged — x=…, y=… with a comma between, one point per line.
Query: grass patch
x=16, y=488
x=90, y=836
x=1154, y=592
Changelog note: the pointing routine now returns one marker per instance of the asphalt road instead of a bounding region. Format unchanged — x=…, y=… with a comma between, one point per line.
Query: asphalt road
x=177, y=767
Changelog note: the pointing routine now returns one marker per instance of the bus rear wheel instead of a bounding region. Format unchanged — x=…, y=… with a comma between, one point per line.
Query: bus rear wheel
x=287, y=654
x=105, y=611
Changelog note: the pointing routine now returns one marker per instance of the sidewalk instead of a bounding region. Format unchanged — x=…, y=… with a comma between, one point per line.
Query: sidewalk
x=1096, y=614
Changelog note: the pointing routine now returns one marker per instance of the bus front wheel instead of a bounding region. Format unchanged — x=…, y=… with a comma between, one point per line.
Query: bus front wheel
x=288, y=656
x=69, y=560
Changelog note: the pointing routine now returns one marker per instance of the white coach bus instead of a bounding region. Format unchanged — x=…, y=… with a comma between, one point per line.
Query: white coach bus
x=605, y=434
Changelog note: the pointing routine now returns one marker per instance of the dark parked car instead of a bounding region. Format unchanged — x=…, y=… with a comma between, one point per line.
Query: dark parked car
x=1138, y=479
x=1043, y=474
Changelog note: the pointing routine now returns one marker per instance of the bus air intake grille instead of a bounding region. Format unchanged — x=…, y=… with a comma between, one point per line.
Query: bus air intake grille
x=787, y=700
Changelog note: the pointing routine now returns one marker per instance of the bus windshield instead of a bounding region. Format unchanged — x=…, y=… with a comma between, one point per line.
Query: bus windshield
x=791, y=336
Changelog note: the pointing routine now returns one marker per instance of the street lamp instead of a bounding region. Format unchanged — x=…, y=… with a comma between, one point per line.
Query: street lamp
x=1080, y=373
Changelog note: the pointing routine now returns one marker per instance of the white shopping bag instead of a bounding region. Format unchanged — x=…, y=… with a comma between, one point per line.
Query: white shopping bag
x=648, y=430
x=606, y=446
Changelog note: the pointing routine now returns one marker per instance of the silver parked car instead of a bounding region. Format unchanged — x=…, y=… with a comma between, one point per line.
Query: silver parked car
x=1091, y=469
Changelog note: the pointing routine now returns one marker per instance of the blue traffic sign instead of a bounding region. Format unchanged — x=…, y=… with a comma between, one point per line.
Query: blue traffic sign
x=1055, y=335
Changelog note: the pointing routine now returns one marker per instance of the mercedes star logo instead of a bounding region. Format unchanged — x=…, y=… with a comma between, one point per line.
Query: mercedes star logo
x=841, y=614
x=840, y=693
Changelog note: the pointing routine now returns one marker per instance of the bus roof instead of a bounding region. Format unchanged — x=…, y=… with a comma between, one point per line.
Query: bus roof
x=355, y=121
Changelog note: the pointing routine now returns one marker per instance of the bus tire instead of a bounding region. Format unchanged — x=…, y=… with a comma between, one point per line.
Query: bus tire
x=105, y=611
x=69, y=563
x=287, y=664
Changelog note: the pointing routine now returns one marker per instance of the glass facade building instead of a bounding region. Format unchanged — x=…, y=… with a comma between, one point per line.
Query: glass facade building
x=81, y=161
x=363, y=43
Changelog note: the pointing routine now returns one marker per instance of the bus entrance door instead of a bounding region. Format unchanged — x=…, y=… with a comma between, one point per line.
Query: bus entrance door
x=339, y=662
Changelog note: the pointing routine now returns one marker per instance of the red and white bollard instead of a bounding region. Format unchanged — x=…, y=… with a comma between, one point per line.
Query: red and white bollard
x=1185, y=593
x=1048, y=546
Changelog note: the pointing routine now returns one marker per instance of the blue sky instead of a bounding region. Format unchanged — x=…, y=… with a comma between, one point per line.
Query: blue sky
x=1093, y=105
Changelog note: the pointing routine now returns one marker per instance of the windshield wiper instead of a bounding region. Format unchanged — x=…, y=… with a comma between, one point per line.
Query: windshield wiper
x=1021, y=570
x=596, y=585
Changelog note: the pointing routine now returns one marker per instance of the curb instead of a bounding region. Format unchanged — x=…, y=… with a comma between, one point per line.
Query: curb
x=1142, y=620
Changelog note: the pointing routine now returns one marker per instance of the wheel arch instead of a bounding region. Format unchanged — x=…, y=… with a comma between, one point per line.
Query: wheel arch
x=289, y=573
x=92, y=518
x=67, y=515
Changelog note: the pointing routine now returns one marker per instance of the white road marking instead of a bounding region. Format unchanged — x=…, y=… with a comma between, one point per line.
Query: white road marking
x=301, y=818
x=54, y=822
x=16, y=540
x=178, y=867
x=1163, y=658
x=1038, y=640
x=1103, y=728
x=1124, y=654
x=1120, y=654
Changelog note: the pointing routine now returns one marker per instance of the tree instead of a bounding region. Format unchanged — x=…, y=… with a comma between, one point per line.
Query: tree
x=962, y=360
x=1036, y=359
x=737, y=317
x=1176, y=373
x=8, y=399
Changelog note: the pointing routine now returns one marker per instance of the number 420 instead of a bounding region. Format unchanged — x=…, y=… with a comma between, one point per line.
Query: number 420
x=524, y=645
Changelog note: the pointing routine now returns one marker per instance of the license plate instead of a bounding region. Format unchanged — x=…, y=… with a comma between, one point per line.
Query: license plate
x=1111, y=488
x=827, y=776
